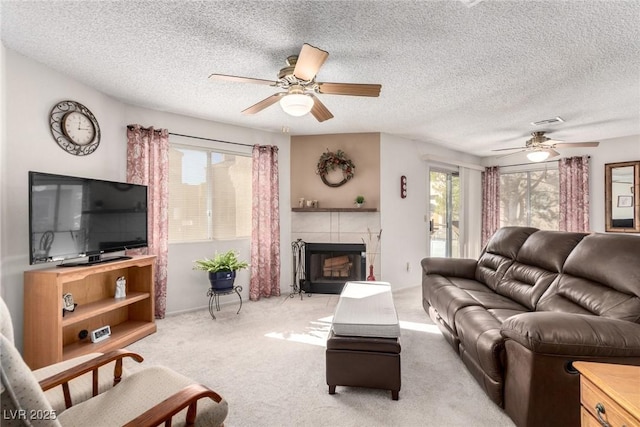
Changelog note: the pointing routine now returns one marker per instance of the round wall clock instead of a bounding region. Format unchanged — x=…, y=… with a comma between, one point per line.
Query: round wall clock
x=75, y=128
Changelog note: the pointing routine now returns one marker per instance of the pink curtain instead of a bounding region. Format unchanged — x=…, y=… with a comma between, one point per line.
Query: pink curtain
x=574, y=194
x=148, y=164
x=265, y=227
x=490, y=202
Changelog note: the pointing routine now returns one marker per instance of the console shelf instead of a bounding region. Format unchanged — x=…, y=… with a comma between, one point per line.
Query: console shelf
x=50, y=337
x=93, y=309
x=126, y=332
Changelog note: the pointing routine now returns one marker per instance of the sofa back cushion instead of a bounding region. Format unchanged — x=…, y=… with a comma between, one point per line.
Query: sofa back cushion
x=537, y=265
x=500, y=252
x=601, y=276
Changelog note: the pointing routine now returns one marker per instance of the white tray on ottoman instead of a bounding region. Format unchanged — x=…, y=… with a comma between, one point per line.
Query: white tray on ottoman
x=363, y=349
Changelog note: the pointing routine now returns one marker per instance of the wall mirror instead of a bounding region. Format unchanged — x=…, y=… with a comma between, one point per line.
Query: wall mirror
x=622, y=207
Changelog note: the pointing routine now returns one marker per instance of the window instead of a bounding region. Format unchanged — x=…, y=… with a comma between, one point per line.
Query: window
x=530, y=198
x=209, y=195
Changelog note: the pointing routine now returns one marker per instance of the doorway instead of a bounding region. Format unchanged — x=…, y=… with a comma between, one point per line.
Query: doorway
x=444, y=213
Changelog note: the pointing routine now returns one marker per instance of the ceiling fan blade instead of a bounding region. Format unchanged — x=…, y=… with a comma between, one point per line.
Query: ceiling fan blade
x=239, y=79
x=353, y=89
x=267, y=102
x=509, y=154
x=552, y=153
x=319, y=111
x=309, y=62
x=576, y=144
x=512, y=148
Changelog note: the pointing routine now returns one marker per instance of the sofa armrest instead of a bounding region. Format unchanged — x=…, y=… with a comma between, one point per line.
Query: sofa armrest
x=454, y=267
x=574, y=334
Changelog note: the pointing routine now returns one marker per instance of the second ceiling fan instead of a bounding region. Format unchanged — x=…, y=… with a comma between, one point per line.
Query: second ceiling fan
x=298, y=78
x=539, y=147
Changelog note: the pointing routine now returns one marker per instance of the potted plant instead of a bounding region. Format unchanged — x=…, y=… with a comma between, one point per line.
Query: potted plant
x=359, y=201
x=222, y=269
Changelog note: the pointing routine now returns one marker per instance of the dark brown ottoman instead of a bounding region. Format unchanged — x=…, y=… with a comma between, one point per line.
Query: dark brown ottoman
x=363, y=362
x=363, y=347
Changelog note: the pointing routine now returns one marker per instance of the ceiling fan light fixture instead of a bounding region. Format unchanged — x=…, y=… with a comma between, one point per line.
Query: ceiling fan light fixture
x=538, y=155
x=296, y=104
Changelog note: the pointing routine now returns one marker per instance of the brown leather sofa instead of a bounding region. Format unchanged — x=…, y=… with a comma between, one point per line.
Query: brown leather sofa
x=534, y=302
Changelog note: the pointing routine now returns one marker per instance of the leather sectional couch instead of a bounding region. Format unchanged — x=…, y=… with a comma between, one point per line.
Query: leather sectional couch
x=534, y=302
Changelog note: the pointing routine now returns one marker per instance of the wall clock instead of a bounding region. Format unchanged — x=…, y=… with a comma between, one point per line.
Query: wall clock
x=75, y=128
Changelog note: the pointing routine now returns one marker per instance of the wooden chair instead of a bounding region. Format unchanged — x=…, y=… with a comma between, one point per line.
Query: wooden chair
x=150, y=397
x=82, y=387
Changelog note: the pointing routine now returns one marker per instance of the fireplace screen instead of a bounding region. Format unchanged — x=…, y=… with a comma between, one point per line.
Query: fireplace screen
x=329, y=266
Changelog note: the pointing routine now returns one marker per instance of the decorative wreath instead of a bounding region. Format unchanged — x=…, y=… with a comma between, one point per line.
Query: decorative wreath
x=330, y=161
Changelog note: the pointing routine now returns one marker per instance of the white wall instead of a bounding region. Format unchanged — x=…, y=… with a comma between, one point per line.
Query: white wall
x=613, y=150
x=404, y=222
x=30, y=91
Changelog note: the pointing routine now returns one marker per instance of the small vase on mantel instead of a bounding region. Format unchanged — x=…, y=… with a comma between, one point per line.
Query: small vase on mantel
x=371, y=277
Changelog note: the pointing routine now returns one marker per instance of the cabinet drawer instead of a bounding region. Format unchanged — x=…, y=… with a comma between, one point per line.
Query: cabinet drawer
x=588, y=420
x=613, y=414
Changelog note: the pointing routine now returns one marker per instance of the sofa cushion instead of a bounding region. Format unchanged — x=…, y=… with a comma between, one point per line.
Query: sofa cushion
x=537, y=265
x=601, y=276
x=609, y=259
x=525, y=283
x=491, y=300
x=580, y=335
x=500, y=252
x=580, y=296
x=549, y=249
x=461, y=293
x=447, y=300
x=479, y=334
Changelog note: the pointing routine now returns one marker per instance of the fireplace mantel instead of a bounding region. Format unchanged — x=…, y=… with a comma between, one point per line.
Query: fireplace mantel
x=334, y=210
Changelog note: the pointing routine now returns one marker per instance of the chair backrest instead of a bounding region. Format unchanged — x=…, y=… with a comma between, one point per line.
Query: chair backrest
x=23, y=401
x=6, y=325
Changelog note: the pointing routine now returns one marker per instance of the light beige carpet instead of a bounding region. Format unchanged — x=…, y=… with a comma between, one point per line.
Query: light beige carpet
x=269, y=363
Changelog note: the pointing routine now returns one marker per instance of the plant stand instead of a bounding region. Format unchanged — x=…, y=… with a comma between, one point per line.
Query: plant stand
x=214, y=298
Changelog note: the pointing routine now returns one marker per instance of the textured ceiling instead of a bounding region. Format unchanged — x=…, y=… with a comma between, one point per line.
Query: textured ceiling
x=469, y=78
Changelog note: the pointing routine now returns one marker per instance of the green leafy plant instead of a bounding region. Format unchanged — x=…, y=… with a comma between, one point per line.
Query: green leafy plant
x=359, y=200
x=227, y=261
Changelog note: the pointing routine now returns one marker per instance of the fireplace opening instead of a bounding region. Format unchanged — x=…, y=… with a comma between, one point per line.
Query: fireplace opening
x=328, y=266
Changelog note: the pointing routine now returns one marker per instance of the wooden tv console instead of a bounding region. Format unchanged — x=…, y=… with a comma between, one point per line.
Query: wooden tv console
x=50, y=337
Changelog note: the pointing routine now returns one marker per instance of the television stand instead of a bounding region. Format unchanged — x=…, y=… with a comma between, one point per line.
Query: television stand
x=50, y=338
x=94, y=261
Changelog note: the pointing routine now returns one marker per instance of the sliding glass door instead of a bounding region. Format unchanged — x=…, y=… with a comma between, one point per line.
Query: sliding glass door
x=444, y=215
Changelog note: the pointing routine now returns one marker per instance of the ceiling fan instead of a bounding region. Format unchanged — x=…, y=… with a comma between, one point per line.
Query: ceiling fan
x=298, y=78
x=539, y=147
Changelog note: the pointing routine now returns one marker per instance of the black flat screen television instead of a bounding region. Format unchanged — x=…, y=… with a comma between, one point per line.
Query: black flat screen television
x=72, y=217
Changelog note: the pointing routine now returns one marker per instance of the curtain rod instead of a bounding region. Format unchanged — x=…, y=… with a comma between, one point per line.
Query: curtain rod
x=529, y=163
x=533, y=163
x=195, y=137
x=211, y=139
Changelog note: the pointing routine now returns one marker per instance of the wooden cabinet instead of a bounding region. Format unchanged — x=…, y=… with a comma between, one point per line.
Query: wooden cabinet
x=609, y=394
x=50, y=337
